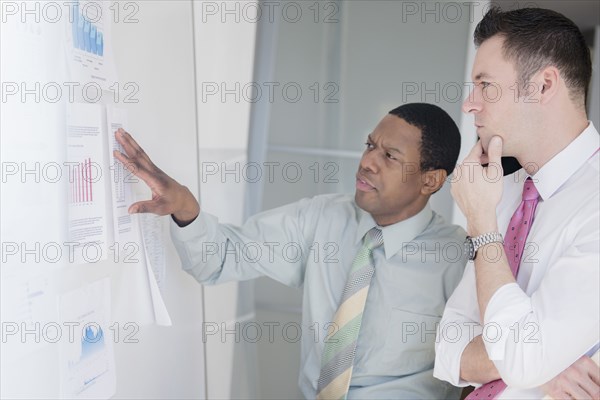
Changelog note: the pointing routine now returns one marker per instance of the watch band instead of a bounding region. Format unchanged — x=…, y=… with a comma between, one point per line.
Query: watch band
x=479, y=241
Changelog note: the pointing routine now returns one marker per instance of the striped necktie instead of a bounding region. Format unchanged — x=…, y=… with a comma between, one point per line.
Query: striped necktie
x=514, y=244
x=340, y=344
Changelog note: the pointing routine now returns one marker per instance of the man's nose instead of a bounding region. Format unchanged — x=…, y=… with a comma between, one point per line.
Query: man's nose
x=370, y=161
x=471, y=104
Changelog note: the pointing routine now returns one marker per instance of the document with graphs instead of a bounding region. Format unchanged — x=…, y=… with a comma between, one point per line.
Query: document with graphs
x=87, y=219
x=87, y=361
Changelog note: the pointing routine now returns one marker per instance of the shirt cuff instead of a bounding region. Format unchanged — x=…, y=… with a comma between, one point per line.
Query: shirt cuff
x=201, y=226
x=506, y=307
x=452, y=339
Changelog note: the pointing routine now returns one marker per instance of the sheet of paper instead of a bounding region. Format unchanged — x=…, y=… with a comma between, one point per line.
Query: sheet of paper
x=87, y=223
x=137, y=288
x=132, y=290
x=151, y=228
x=87, y=364
x=27, y=304
x=90, y=59
x=161, y=314
x=121, y=179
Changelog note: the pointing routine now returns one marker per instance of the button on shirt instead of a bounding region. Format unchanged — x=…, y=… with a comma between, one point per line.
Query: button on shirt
x=311, y=244
x=537, y=327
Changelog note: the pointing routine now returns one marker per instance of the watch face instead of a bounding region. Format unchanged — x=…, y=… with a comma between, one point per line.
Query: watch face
x=469, y=248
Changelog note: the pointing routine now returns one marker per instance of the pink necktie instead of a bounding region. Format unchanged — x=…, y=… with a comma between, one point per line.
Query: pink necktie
x=514, y=243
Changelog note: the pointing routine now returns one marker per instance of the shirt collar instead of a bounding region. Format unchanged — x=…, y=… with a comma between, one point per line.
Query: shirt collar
x=563, y=165
x=395, y=236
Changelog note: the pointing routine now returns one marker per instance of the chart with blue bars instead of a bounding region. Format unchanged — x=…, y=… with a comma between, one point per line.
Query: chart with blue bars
x=92, y=341
x=86, y=35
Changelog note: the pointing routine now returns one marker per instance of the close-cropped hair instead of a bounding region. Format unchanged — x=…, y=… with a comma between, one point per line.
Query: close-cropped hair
x=536, y=38
x=440, y=137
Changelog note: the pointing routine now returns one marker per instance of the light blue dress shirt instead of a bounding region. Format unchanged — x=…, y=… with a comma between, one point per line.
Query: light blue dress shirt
x=311, y=244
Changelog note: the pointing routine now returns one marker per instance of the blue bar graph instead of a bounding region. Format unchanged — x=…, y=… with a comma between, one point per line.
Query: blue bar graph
x=80, y=42
x=93, y=32
x=100, y=44
x=92, y=341
x=86, y=35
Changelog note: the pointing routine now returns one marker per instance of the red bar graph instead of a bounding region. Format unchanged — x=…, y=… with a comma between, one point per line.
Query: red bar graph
x=81, y=189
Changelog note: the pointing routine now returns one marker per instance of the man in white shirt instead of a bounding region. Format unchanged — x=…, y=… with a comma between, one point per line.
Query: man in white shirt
x=536, y=331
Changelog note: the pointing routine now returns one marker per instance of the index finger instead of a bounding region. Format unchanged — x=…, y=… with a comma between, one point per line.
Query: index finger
x=131, y=166
x=136, y=168
x=131, y=147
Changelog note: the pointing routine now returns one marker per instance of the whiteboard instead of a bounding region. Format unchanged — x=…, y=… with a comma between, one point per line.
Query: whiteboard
x=151, y=46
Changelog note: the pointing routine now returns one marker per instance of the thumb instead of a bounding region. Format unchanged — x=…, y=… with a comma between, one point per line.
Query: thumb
x=147, y=206
x=494, y=152
x=475, y=153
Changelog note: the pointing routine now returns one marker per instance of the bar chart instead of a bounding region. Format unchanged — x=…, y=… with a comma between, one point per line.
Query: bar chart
x=82, y=183
x=86, y=35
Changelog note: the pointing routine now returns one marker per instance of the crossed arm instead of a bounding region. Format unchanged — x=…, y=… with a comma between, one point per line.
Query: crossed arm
x=582, y=378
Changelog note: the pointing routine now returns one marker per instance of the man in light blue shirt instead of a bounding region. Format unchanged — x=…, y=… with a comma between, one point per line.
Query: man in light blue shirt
x=407, y=158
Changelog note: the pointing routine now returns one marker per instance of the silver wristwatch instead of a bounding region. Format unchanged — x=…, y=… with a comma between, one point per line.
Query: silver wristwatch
x=472, y=244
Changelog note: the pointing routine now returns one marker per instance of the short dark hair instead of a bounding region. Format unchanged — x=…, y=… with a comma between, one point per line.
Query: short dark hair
x=535, y=38
x=440, y=137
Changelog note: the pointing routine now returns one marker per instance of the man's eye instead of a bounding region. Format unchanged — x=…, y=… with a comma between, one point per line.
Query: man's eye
x=391, y=157
x=485, y=84
x=369, y=145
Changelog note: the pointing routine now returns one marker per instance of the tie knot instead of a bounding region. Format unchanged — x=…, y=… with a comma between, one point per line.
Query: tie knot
x=373, y=238
x=529, y=190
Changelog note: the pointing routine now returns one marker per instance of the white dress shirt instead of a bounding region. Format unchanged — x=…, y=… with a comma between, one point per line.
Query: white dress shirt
x=537, y=327
x=416, y=270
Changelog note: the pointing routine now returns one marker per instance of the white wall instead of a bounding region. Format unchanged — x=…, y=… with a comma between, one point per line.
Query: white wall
x=224, y=59
x=156, y=54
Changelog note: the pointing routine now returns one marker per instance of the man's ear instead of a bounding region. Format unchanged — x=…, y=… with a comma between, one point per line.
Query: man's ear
x=547, y=83
x=433, y=181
